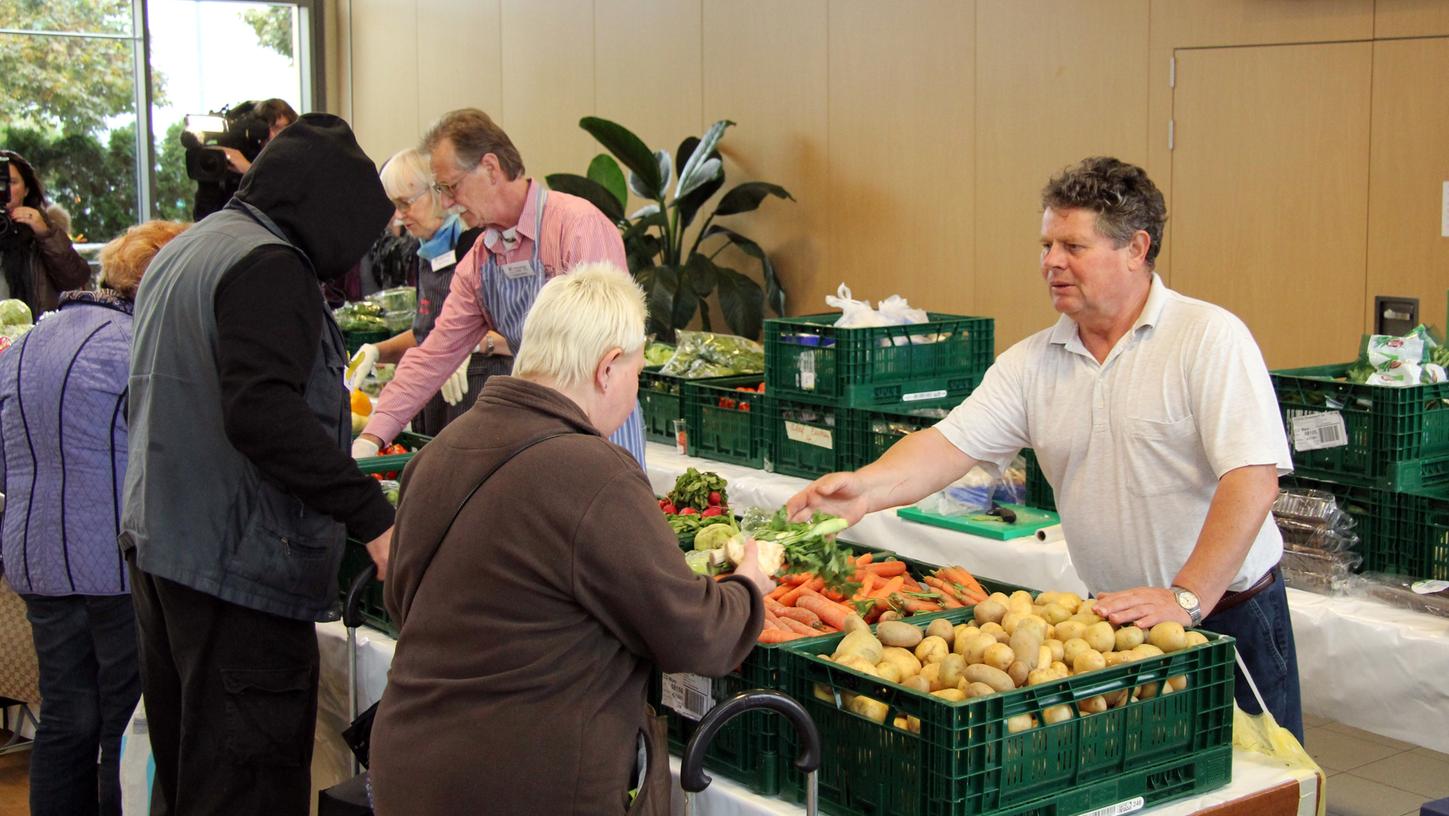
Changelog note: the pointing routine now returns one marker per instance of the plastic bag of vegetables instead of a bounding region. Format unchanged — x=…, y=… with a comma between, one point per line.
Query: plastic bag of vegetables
x=706, y=354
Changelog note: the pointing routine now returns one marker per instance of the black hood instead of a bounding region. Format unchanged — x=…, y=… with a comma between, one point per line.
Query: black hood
x=314, y=181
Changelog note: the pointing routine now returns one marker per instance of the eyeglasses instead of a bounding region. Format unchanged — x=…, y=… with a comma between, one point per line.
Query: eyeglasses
x=449, y=188
x=405, y=204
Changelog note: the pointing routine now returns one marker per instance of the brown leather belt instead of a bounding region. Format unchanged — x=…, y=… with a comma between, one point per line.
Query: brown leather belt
x=1234, y=599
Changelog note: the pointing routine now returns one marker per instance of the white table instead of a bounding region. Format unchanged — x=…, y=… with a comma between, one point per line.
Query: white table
x=1254, y=777
x=1360, y=662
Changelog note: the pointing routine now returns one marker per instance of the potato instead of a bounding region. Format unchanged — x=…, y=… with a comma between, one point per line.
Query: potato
x=886, y=670
x=1117, y=699
x=861, y=644
x=1020, y=599
x=913, y=724
x=854, y=622
x=860, y=664
x=1039, y=676
x=1033, y=623
x=963, y=631
x=1147, y=691
x=1067, y=630
x=1061, y=669
x=998, y=656
x=978, y=689
x=1194, y=638
x=989, y=611
x=1026, y=645
x=932, y=673
x=1087, y=618
x=1093, y=705
x=1070, y=601
x=1054, y=613
x=999, y=597
x=995, y=630
x=1011, y=619
x=955, y=695
x=1129, y=637
x=1072, y=648
x=1056, y=648
x=888, y=616
x=873, y=710
x=1168, y=636
x=917, y=682
x=993, y=677
x=1147, y=650
x=898, y=633
x=1020, y=723
x=1177, y=683
x=1115, y=658
x=976, y=648
x=932, y=650
x=904, y=661
x=1100, y=636
x=942, y=629
x=1090, y=660
x=823, y=692
x=1089, y=605
x=1043, y=656
x=1018, y=672
x=952, y=669
x=900, y=723
x=1057, y=713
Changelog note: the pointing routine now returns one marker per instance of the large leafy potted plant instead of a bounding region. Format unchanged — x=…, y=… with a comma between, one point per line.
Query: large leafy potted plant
x=677, y=282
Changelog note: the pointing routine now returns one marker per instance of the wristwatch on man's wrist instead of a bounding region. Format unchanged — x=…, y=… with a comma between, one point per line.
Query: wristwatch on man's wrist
x=488, y=349
x=1187, y=599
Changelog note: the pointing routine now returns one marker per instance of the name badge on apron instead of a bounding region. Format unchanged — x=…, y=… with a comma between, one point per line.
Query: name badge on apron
x=518, y=269
x=444, y=261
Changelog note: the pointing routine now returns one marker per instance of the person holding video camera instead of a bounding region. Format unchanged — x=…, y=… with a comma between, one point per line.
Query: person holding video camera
x=216, y=160
x=37, y=259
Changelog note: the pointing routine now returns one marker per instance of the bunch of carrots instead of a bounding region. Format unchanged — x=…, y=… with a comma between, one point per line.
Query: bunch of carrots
x=802, y=606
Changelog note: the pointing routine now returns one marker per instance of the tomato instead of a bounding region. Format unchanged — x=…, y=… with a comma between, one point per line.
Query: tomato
x=377, y=476
x=394, y=449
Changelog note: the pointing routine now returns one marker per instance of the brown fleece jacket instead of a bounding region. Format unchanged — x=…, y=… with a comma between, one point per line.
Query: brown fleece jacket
x=519, y=680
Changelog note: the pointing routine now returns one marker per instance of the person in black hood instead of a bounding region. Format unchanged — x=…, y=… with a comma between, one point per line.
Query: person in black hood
x=240, y=490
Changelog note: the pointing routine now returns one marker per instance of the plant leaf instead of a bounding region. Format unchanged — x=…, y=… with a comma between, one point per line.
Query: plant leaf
x=690, y=175
x=686, y=149
x=702, y=274
x=742, y=301
x=660, y=285
x=686, y=300
x=774, y=293
x=604, y=170
x=708, y=170
x=644, y=212
x=747, y=197
x=690, y=204
x=589, y=190
x=630, y=150
x=666, y=167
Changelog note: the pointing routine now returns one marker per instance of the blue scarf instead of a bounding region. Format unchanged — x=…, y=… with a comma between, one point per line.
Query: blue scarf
x=442, y=240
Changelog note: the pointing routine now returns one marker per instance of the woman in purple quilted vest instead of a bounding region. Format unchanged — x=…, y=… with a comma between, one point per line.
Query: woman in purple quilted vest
x=63, y=423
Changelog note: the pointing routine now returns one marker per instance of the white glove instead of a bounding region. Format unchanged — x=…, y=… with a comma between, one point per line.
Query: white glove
x=361, y=364
x=364, y=448
x=456, y=385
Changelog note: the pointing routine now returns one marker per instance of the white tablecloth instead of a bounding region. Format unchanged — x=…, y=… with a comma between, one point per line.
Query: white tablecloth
x=1360, y=662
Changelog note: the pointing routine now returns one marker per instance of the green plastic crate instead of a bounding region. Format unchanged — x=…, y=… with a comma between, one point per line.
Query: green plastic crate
x=356, y=340
x=374, y=613
x=1399, y=533
x=964, y=761
x=807, y=357
x=872, y=431
x=397, y=461
x=725, y=424
x=1398, y=438
x=1038, y=490
x=807, y=439
x=661, y=399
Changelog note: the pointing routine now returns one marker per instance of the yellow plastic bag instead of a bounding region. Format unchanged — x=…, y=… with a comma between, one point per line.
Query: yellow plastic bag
x=1262, y=734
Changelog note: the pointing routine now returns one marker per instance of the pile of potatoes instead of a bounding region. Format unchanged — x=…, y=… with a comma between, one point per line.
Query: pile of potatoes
x=1013, y=642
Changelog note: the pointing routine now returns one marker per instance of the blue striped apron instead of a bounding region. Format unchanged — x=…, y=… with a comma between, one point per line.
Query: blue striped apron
x=508, y=293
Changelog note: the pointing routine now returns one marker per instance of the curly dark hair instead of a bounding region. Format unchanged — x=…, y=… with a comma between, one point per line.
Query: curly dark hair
x=1123, y=197
x=34, y=192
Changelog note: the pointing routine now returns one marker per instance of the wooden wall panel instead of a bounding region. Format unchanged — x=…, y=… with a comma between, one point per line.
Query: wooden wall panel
x=460, y=58
x=900, y=150
x=765, y=68
x=1409, y=165
x=1047, y=94
x=1270, y=192
x=385, y=80
x=548, y=81
x=1196, y=23
x=1411, y=18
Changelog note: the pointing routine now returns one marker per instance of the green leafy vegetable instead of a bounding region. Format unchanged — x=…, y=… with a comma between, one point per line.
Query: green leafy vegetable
x=811, y=547
x=693, y=489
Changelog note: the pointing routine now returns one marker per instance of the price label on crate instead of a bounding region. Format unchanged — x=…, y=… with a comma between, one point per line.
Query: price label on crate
x=688, y=694
x=1314, y=430
x=1129, y=806
x=810, y=435
x=924, y=395
x=806, y=380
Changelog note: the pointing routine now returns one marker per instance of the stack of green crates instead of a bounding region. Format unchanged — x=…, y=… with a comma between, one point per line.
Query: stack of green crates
x=872, y=431
x=1391, y=466
x=725, y=419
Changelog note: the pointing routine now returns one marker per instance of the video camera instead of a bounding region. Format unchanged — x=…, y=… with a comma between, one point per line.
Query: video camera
x=12, y=233
x=205, y=136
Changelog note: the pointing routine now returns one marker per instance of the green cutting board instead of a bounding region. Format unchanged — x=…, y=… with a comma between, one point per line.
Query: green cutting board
x=1028, y=521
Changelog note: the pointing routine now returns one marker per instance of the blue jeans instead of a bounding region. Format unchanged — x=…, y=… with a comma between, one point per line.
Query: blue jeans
x=89, y=685
x=1265, y=640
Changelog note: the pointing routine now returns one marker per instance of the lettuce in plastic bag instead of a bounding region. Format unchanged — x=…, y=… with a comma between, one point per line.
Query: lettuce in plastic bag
x=706, y=354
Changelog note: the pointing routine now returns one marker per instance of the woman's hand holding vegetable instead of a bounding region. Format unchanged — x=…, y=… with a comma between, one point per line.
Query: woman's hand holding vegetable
x=749, y=568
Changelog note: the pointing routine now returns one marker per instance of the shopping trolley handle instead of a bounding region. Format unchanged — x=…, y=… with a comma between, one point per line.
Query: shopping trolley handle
x=692, y=777
x=352, y=608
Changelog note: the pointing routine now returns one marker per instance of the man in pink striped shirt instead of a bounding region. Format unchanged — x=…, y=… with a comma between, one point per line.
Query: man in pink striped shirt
x=530, y=234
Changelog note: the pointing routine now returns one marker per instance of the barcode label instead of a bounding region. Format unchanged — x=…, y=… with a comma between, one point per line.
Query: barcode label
x=1313, y=430
x=688, y=694
x=924, y=395
x=807, y=371
x=810, y=435
x=1129, y=806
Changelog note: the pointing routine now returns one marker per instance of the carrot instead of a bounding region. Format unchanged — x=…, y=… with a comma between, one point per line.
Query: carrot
x=801, y=614
x=914, y=606
x=864, y=560
x=772, y=622
x=885, y=569
x=832, y=594
x=778, y=636
x=911, y=583
x=947, y=589
x=866, y=585
x=798, y=627
x=779, y=590
x=959, y=575
x=831, y=614
x=790, y=597
x=885, y=590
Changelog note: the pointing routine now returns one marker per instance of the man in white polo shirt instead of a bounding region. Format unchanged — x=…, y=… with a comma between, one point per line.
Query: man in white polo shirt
x=1154, y=420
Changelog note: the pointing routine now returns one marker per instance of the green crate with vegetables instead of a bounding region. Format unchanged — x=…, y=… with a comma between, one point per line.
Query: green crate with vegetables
x=1368, y=435
x=806, y=439
x=725, y=419
x=915, y=724
x=391, y=460
x=943, y=358
x=872, y=431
